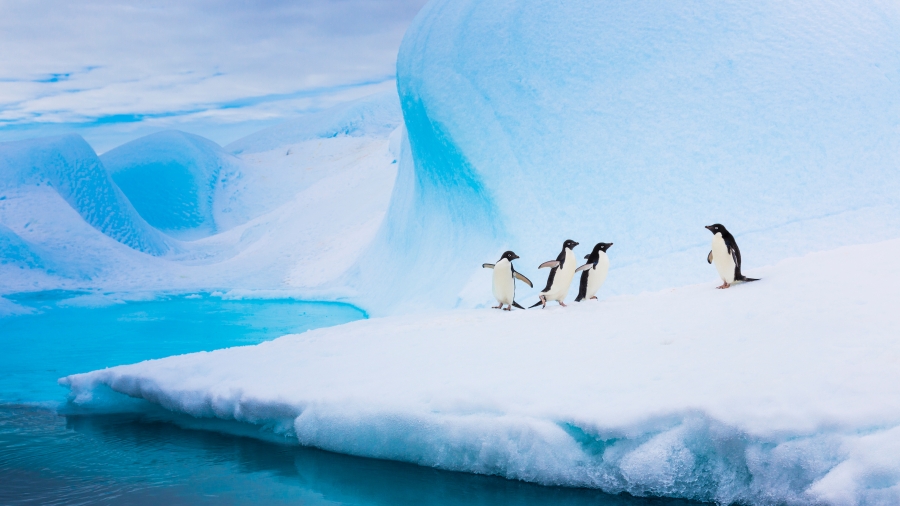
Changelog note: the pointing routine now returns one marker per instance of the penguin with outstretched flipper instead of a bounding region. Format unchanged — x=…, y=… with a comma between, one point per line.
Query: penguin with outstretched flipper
x=505, y=277
x=562, y=270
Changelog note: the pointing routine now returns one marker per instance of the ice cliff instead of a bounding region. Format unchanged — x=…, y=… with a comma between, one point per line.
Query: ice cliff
x=533, y=122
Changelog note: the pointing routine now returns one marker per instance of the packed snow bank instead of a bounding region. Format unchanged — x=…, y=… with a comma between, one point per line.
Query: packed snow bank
x=780, y=391
x=41, y=172
x=638, y=123
x=171, y=178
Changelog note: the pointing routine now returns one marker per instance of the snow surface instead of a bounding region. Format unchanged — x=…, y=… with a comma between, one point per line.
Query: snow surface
x=638, y=123
x=374, y=116
x=781, y=391
x=288, y=219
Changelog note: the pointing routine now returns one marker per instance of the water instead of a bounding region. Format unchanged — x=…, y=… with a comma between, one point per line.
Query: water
x=67, y=338
x=155, y=457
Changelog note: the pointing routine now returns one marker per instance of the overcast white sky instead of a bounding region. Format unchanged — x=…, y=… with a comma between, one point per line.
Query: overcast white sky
x=113, y=71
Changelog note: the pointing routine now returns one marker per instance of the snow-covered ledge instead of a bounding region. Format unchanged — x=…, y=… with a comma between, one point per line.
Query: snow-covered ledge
x=786, y=390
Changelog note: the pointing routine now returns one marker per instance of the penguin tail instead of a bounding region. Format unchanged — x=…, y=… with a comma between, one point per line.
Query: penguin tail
x=536, y=304
x=516, y=304
x=746, y=279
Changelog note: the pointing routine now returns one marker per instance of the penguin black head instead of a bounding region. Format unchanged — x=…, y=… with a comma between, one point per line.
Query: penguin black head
x=509, y=255
x=569, y=244
x=715, y=229
x=602, y=246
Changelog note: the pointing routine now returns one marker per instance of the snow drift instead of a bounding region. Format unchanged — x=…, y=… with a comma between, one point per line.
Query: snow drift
x=639, y=123
x=780, y=391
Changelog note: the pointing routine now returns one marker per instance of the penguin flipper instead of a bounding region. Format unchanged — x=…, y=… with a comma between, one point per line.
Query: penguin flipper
x=488, y=266
x=549, y=263
x=523, y=279
x=516, y=304
x=709, y=257
x=584, y=267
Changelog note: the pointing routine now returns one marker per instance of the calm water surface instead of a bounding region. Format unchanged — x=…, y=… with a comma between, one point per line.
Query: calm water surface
x=158, y=458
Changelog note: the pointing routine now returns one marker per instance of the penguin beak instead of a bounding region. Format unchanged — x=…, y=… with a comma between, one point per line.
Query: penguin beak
x=609, y=246
x=708, y=227
x=576, y=244
x=515, y=256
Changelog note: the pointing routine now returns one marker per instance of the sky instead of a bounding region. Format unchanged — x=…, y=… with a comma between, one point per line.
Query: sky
x=114, y=71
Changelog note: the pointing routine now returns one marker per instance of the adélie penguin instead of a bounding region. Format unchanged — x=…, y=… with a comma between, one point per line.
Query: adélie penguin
x=561, y=273
x=505, y=276
x=726, y=255
x=593, y=273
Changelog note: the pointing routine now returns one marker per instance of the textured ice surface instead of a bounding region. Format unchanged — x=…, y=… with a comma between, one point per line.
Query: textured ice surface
x=172, y=178
x=284, y=221
x=638, y=123
x=46, y=171
x=779, y=391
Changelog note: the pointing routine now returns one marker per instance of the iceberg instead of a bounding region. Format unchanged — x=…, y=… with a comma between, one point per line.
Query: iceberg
x=174, y=211
x=376, y=116
x=39, y=173
x=172, y=178
x=531, y=122
x=782, y=391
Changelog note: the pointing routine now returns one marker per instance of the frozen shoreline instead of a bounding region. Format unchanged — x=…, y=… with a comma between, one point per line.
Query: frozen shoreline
x=779, y=391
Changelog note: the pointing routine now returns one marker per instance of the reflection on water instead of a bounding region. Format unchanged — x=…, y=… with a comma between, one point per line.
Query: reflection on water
x=136, y=459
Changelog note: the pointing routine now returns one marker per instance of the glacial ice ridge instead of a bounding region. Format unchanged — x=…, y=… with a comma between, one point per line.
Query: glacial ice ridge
x=638, y=123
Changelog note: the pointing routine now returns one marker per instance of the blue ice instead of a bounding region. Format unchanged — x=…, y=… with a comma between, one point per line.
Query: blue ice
x=639, y=123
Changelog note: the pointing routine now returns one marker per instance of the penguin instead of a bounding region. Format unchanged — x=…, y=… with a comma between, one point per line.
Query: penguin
x=505, y=276
x=727, y=256
x=593, y=273
x=561, y=273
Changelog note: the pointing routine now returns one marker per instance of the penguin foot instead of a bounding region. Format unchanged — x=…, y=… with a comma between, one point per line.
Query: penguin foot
x=508, y=308
x=497, y=307
x=594, y=297
x=561, y=303
x=543, y=302
x=723, y=286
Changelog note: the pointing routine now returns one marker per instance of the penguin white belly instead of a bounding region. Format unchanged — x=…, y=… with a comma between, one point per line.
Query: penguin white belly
x=722, y=259
x=597, y=275
x=562, y=280
x=504, y=284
